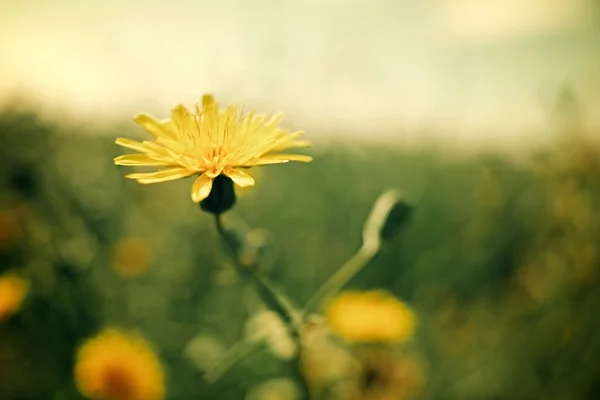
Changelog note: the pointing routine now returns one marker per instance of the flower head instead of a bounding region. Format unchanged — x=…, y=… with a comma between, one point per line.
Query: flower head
x=209, y=142
x=383, y=375
x=373, y=316
x=13, y=290
x=118, y=366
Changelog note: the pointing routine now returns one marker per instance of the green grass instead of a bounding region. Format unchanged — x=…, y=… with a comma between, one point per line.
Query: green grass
x=478, y=223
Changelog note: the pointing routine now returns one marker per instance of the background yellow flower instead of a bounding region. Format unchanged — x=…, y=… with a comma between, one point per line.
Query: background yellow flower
x=372, y=316
x=118, y=365
x=13, y=290
x=382, y=375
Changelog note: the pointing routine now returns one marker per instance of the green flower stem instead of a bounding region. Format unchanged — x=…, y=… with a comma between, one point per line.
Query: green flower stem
x=338, y=280
x=387, y=216
x=234, y=355
x=269, y=296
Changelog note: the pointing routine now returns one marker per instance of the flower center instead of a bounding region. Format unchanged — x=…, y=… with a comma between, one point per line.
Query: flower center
x=118, y=384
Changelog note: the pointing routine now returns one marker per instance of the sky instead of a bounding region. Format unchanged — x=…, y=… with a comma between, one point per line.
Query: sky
x=469, y=69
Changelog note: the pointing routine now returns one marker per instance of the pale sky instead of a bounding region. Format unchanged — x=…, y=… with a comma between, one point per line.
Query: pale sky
x=471, y=67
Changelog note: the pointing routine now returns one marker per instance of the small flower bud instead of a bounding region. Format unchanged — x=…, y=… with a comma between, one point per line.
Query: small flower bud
x=221, y=197
x=396, y=219
x=389, y=214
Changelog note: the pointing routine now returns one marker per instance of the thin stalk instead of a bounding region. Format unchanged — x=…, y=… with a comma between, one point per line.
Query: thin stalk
x=269, y=296
x=335, y=283
x=234, y=355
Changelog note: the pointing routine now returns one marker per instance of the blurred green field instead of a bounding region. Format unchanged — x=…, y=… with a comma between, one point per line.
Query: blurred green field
x=499, y=260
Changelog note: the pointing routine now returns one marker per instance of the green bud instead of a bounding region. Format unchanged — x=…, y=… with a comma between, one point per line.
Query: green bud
x=396, y=219
x=221, y=197
x=388, y=216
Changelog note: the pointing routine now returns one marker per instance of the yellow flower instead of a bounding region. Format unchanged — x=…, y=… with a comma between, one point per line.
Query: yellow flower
x=382, y=375
x=13, y=290
x=131, y=257
x=259, y=176
x=373, y=316
x=209, y=143
x=117, y=365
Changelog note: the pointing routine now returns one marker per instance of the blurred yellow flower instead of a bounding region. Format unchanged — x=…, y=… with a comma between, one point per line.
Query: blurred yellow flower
x=382, y=375
x=208, y=142
x=372, y=316
x=131, y=257
x=13, y=290
x=117, y=365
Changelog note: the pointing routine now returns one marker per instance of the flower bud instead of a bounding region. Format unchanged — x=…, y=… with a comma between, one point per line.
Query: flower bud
x=396, y=219
x=389, y=214
x=221, y=197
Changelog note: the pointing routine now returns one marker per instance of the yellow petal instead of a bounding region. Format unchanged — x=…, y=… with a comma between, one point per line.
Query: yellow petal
x=180, y=115
x=212, y=174
x=154, y=127
x=156, y=148
x=293, y=145
x=274, y=120
x=171, y=143
x=201, y=188
x=287, y=157
x=186, y=127
x=283, y=140
x=207, y=100
x=262, y=161
x=131, y=144
x=140, y=160
x=161, y=176
x=239, y=177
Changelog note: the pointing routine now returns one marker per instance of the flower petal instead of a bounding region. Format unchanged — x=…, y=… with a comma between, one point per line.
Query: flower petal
x=287, y=157
x=207, y=100
x=293, y=145
x=239, y=177
x=283, y=140
x=161, y=176
x=131, y=144
x=156, y=148
x=140, y=160
x=154, y=127
x=201, y=188
x=261, y=161
x=180, y=116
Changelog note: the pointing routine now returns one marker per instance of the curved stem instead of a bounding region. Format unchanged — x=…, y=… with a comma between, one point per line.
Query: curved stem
x=266, y=293
x=335, y=283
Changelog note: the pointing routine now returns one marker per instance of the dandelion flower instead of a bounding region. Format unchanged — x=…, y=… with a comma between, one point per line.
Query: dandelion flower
x=117, y=365
x=373, y=316
x=382, y=375
x=13, y=290
x=210, y=143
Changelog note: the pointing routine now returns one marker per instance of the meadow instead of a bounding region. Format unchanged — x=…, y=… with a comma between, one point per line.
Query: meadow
x=498, y=260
